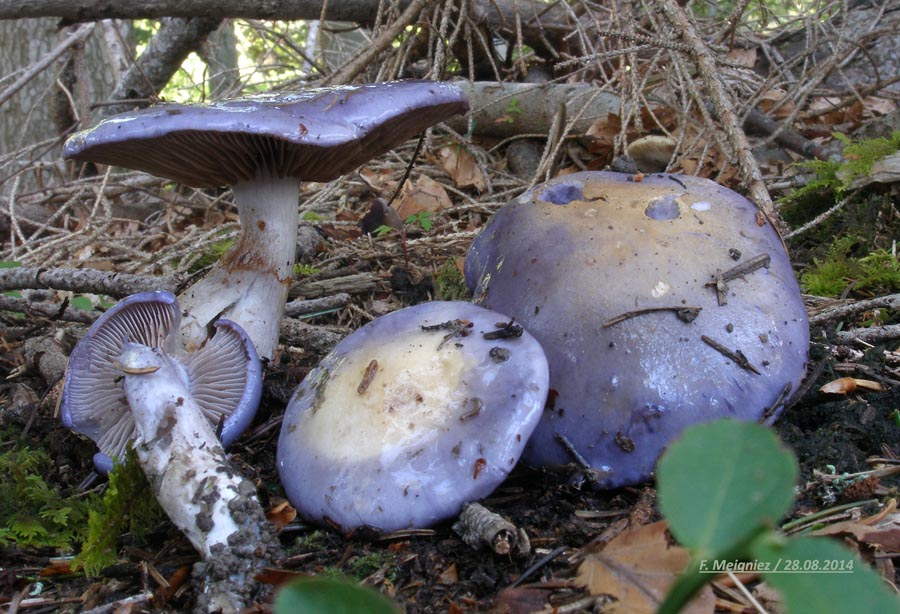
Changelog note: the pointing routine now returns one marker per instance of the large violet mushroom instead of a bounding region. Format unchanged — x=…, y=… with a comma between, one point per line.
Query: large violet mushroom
x=410, y=417
x=660, y=303
x=263, y=147
x=125, y=385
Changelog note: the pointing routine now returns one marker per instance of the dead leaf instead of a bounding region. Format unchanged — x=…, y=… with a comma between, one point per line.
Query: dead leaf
x=425, y=194
x=281, y=514
x=743, y=57
x=773, y=103
x=461, y=166
x=519, y=601
x=449, y=575
x=846, y=385
x=886, y=538
x=637, y=568
x=380, y=181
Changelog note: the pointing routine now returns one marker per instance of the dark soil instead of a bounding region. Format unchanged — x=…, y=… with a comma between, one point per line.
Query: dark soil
x=429, y=571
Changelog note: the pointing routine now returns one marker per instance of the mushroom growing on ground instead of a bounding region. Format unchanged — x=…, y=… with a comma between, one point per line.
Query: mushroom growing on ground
x=224, y=376
x=263, y=147
x=413, y=415
x=125, y=386
x=659, y=303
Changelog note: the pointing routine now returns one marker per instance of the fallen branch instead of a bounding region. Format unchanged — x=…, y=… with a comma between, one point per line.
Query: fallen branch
x=385, y=39
x=117, y=285
x=724, y=108
x=478, y=527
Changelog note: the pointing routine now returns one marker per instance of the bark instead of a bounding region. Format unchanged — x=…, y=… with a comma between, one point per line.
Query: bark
x=221, y=57
x=164, y=54
x=540, y=23
x=508, y=109
x=117, y=285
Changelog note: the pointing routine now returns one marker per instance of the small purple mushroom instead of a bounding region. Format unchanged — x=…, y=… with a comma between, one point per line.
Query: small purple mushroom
x=263, y=147
x=224, y=376
x=660, y=304
x=411, y=416
x=124, y=386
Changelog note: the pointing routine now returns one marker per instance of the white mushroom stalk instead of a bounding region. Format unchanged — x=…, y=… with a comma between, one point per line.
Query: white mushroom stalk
x=127, y=387
x=312, y=135
x=250, y=284
x=193, y=480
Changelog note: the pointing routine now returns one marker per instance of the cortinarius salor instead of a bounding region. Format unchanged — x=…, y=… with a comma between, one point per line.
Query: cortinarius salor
x=126, y=385
x=659, y=303
x=263, y=147
x=411, y=416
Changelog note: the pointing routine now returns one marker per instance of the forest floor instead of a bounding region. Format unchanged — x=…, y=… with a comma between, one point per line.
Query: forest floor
x=433, y=570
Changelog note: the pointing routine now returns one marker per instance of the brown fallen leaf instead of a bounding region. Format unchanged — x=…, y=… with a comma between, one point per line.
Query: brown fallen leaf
x=846, y=385
x=637, y=568
x=461, y=166
x=281, y=514
x=425, y=194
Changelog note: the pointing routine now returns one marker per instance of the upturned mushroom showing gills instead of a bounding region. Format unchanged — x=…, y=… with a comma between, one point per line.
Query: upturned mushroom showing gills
x=411, y=416
x=125, y=386
x=224, y=376
x=659, y=303
x=263, y=147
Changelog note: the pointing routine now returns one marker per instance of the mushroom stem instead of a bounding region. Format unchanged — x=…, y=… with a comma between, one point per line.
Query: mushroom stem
x=250, y=284
x=194, y=481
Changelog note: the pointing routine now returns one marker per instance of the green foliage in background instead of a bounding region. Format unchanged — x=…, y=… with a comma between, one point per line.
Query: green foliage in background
x=836, y=176
x=317, y=595
x=876, y=273
x=127, y=505
x=32, y=512
x=723, y=486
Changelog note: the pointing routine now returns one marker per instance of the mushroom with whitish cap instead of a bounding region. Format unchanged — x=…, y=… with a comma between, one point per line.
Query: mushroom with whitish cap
x=125, y=386
x=263, y=147
x=411, y=416
x=659, y=303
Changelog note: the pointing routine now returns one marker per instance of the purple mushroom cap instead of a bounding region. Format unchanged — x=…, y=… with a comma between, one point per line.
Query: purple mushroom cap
x=411, y=416
x=313, y=135
x=263, y=147
x=225, y=375
x=629, y=288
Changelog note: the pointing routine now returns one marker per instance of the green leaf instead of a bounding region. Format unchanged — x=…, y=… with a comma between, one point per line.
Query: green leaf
x=316, y=595
x=82, y=302
x=723, y=480
x=815, y=574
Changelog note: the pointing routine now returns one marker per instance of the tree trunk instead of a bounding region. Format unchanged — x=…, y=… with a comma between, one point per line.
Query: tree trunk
x=49, y=103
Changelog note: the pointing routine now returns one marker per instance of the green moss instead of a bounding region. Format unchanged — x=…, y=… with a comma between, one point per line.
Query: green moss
x=877, y=272
x=832, y=176
x=33, y=513
x=450, y=283
x=305, y=270
x=127, y=505
x=212, y=255
x=312, y=542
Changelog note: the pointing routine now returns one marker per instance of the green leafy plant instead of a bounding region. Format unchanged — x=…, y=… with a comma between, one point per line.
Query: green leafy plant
x=510, y=111
x=33, y=513
x=317, y=595
x=723, y=486
x=305, y=270
x=878, y=272
x=422, y=218
x=836, y=176
x=127, y=504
